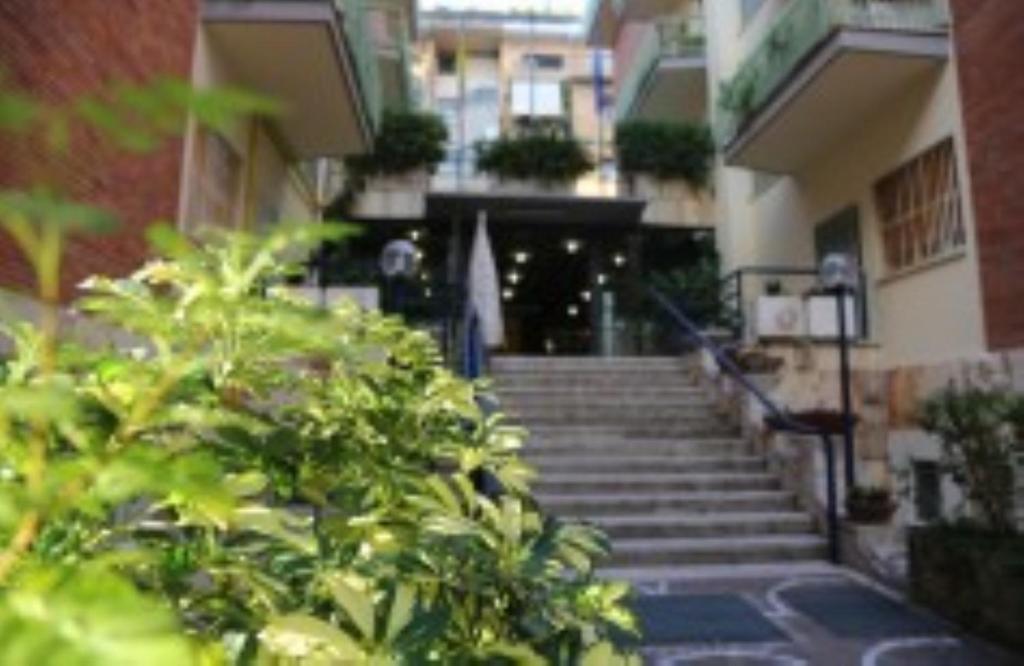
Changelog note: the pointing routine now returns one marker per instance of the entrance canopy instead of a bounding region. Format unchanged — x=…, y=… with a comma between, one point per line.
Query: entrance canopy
x=536, y=209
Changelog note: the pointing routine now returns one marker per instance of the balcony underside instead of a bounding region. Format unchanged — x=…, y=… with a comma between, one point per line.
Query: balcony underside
x=609, y=17
x=295, y=53
x=850, y=77
x=675, y=89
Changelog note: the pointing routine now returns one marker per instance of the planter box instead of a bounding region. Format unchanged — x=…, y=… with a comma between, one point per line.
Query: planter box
x=972, y=577
x=673, y=203
x=532, y=187
x=394, y=197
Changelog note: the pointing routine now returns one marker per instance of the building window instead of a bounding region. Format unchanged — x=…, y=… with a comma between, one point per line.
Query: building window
x=216, y=180
x=446, y=62
x=919, y=209
x=927, y=491
x=546, y=61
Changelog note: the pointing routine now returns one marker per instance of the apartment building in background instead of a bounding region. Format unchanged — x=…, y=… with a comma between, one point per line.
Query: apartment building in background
x=882, y=129
x=332, y=65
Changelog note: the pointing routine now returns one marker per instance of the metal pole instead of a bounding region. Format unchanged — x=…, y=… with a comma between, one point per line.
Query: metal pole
x=831, y=509
x=850, y=477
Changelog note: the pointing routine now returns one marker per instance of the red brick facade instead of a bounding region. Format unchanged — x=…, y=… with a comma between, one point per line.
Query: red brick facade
x=58, y=50
x=989, y=37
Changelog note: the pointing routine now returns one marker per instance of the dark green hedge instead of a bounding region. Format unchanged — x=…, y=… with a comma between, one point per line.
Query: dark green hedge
x=973, y=577
x=406, y=141
x=665, y=150
x=545, y=156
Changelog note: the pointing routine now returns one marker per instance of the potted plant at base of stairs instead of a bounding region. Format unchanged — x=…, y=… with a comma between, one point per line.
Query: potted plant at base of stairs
x=869, y=505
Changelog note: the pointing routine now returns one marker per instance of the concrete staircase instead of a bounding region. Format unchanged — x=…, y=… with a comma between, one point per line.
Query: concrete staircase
x=634, y=446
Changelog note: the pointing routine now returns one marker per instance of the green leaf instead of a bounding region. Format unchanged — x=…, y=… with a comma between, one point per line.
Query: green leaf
x=43, y=208
x=310, y=640
x=276, y=523
x=355, y=596
x=87, y=618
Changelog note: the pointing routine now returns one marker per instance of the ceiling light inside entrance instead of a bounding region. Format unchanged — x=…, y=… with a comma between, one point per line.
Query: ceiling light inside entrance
x=514, y=278
x=619, y=259
x=602, y=279
x=521, y=257
x=586, y=296
x=508, y=294
x=573, y=310
x=572, y=246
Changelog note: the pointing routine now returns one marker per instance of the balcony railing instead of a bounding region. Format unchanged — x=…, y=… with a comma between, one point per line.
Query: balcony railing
x=359, y=32
x=803, y=26
x=670, y=38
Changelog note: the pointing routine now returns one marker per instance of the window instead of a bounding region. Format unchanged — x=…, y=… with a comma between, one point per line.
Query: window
x=919, y=209
x=927, y=491
x=216, y=180
x=543, y=61
x=446, y=62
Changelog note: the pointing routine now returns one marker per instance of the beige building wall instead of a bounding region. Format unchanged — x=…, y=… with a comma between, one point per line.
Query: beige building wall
x=265, y=188
x=771, y=221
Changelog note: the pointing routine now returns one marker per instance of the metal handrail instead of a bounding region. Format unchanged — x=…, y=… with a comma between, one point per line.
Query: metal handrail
x=782, y=420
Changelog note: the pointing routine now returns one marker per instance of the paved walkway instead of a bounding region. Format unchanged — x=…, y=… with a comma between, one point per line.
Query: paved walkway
x=829, y=617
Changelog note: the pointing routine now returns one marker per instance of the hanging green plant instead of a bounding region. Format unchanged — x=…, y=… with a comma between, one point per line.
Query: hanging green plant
x=665, y=150
x=549, y=157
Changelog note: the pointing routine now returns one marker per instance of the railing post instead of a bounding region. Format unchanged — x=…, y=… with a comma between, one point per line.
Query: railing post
x=831, y=507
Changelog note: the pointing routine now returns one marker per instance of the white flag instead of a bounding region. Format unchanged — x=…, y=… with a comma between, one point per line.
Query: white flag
x=484, y=290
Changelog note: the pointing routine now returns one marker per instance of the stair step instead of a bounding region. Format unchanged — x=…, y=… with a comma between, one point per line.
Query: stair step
x=643, y=464
x=630, y=482
x=621, y=414
x=687, y=525
x=548, y=364
x=609, y=446
x=698, y=572
x=717, y=550
x=584, y=505
x=599, y=394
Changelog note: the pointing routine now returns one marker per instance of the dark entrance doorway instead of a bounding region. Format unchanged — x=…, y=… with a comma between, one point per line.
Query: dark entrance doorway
x=572, y=270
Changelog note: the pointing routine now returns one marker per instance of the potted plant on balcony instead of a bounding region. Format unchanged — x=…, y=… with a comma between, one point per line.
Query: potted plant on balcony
x=668, y=163
x=390, y=181
x=537, y=159
x=870, y=505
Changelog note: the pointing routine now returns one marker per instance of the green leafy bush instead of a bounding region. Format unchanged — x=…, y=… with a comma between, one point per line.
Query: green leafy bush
x=407, y=141
x=546, y=156
x=665, y=150
x=251, y=479
x=981, y=431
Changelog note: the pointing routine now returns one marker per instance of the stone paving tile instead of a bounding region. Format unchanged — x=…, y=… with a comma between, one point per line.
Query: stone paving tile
x=896, y=635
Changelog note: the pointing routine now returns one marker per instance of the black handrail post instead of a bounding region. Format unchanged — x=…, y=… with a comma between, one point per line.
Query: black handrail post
x=831, y=508
x=849, y=461
x=785, y=421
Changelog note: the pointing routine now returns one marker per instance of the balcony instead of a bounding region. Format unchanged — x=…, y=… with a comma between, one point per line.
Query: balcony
x=820, y=70
x=604, y=17
x=315, y=57
x=667, y=78
x=391, y=24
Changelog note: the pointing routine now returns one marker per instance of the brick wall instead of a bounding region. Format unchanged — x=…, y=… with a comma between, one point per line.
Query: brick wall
x=989, y=36
x=58, y=50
